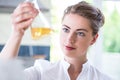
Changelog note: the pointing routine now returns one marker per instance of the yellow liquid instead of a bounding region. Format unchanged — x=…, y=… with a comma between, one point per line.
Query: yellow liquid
x=38, y=32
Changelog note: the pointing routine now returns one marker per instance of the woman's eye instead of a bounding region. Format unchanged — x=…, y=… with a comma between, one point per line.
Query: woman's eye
x=65, y=30
x=81, y=34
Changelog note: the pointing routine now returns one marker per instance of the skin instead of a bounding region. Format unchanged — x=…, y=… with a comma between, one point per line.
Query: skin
x=75, y=38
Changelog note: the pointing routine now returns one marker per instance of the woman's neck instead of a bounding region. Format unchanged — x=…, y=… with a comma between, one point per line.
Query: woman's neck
x=75, y=66
x=76, y=62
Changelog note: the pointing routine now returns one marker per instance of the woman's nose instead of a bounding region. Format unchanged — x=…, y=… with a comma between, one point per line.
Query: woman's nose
x=71, y=38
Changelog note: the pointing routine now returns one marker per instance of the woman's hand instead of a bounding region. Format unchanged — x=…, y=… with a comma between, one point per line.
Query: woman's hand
x=22, y=17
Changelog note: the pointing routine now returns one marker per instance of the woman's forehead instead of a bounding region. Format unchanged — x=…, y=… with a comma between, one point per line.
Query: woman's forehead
x=76, y=21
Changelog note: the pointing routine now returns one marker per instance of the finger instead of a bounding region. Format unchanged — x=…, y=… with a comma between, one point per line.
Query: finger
x=23, y=25
x=25, y=16
x=24, y=4
x=22, y=9
x=24, y=13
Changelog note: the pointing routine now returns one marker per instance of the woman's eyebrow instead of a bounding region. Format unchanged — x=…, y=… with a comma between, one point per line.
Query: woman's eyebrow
x=82, y=30
x=77, y=29
x=66, y=26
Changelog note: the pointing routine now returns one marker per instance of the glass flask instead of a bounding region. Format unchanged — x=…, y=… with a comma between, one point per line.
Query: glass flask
x=40, y=26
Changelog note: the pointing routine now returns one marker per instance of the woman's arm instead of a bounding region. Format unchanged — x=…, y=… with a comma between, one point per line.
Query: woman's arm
x=11, y=48
x=22, y=18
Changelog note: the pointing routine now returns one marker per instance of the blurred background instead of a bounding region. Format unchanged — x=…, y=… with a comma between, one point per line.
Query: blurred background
x=104, y=54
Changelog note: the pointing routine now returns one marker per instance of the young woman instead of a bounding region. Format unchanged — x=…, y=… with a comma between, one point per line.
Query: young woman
x=79, y=30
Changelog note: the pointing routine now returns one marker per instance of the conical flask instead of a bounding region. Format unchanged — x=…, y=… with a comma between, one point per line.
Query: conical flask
x=40, y=26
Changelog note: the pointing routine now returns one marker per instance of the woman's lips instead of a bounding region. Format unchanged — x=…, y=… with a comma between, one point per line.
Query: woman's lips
x=69, y=48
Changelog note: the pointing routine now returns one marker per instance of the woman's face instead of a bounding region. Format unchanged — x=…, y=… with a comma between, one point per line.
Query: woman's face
x=76, y=36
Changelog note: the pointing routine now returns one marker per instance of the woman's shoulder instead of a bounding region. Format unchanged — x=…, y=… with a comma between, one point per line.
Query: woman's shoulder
x=98, y=73
x=40, y=62
x=40, y=66
x=45, y=64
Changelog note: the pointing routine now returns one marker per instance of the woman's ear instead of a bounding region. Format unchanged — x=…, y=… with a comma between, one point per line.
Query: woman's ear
x=94, y=39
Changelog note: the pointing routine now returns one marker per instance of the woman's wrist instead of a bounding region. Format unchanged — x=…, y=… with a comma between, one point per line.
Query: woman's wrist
x=17, y=34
